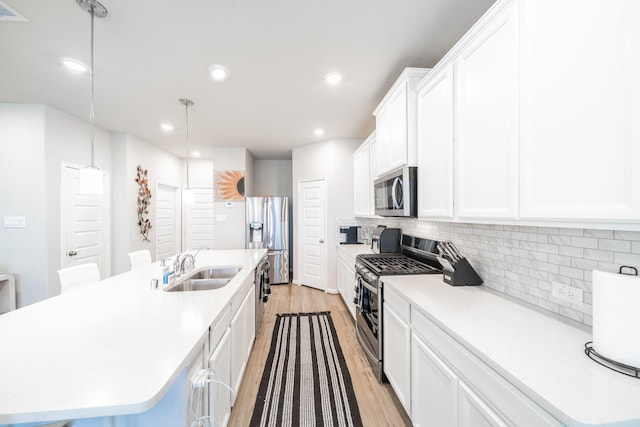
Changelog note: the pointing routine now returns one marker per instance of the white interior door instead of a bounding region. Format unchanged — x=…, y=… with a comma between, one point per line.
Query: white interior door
x=311, y=229
x=84, y=223
x=199, y=219
x=166, y=222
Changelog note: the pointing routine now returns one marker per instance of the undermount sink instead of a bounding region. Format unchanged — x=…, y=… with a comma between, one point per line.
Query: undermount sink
x=205, y=279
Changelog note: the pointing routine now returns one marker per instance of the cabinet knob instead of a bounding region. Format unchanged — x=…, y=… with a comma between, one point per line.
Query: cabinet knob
x=72, y=253
x=321, y=240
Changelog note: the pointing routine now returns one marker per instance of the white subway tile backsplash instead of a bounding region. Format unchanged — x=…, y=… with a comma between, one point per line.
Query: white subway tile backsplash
x=598, y=255
x=579, y=232
x=559, y=240
x=602, y=234
x=550, y=249
x=522, y=261
x=627, y=235
x=584, y=242
x=626, y=259
x=614, y=245
x=574, y=273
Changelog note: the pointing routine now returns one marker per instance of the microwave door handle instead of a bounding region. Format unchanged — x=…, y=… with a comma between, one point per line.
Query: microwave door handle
x=396, y=182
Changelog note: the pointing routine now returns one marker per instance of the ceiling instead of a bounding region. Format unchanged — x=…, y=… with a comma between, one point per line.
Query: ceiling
x=150, y=53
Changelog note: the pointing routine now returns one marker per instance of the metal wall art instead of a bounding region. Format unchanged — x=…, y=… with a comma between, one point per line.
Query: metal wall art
x=144, y=200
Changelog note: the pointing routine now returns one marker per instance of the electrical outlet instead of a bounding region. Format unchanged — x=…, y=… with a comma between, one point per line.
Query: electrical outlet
x=567, y=293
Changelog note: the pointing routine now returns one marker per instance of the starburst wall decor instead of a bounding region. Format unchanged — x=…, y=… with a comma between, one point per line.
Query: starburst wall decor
x=144, y=200
x=229, y=185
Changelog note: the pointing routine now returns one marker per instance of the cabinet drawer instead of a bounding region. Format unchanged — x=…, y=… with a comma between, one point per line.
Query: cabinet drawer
x=500, y=394
x=217, y=330
x=399, y=305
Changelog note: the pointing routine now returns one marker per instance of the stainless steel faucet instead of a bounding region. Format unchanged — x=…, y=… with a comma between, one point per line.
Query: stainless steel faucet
x=186, y=264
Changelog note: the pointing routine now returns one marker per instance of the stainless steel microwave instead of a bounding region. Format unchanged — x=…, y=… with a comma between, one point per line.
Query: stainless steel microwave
x=396, y=194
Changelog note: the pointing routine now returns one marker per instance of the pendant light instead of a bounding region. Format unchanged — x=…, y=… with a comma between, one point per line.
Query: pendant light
x=91, y=177
x=187, y=193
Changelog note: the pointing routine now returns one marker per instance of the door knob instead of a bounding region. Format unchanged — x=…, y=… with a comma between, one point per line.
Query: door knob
x=321, y=240
x=72, y=253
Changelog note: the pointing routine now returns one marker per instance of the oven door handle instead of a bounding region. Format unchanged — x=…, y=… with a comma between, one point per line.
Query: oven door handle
x=365, y=347
x=365, y=284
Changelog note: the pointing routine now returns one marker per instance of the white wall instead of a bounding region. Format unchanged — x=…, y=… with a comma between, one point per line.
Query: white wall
x=67, y=139
x=34, y=141
x=331, y=160
x=128, y=152
x=229, y=225
x=22, y=193
x=272, y=178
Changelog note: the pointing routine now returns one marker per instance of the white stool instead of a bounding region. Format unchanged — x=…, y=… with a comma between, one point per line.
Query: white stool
x=139, y=258
x=78, y=275
x=7, y=293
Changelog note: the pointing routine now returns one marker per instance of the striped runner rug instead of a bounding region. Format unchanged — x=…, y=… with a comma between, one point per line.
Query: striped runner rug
x=305, y=381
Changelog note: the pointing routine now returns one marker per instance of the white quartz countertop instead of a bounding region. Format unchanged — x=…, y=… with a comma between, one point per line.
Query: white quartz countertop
x=110, y=348
x=539, y=354
x=353, y=250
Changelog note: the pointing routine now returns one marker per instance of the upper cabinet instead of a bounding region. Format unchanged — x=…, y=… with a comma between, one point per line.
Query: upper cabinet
x=533, y=117
x=435, y=145
x=396, y=123
x=580, y=110
x=486, y=125
x=362, y=177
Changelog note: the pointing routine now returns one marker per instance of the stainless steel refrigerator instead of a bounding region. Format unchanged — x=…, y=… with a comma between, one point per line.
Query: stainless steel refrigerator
x=268, y=228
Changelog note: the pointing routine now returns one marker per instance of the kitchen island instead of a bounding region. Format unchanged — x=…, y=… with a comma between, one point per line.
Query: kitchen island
x=111, y=348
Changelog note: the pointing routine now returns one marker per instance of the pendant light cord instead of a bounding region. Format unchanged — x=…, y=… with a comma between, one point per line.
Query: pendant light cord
x=91, y=113
x=186, y=113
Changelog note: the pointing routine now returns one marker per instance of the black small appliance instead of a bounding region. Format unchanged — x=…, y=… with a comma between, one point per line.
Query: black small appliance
x=351, y=234
x=385, y=239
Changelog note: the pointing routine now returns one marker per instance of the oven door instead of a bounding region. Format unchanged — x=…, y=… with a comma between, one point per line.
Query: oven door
x=368, y=317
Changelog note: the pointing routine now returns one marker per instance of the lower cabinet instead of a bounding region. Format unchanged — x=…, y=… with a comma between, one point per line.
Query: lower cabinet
x=219, y=394
x=346, y=283
x=474, y=411
x=441, y=383
x=243, y=327
x=434, y=389
x=396, y=350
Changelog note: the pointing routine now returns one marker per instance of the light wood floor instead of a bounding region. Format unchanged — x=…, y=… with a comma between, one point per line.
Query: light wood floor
x=377, y=402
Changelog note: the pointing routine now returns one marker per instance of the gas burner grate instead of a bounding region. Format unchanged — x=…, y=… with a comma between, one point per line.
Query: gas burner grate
x=396, y=264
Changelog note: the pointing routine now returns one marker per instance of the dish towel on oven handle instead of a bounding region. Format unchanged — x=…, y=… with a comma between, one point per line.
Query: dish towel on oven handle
x=361, y=298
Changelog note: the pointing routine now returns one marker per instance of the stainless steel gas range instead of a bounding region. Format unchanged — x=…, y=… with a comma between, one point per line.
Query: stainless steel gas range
x=416, y=256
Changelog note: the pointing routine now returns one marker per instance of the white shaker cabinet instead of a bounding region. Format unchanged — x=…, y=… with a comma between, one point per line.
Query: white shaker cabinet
x=580, y=110
x=346, y=284
x=486, y=126
x=219, y=395
x=363, y=179
x=242, y=336
x=435, y=145
x=397, y=346
x=396, y=129
x=434, y=388
x=474, y=411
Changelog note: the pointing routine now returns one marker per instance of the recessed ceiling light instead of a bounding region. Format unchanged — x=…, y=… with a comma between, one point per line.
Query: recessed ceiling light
x=318, y=132
x=333, y=78
x=75, y=66
x=167, y=127
x=218, y=72
x=195, y=154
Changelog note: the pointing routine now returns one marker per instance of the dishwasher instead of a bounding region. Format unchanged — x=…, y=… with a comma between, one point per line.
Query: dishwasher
x=263, y=288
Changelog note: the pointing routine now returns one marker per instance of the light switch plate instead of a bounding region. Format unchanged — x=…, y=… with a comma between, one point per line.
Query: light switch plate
x=15, y=222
